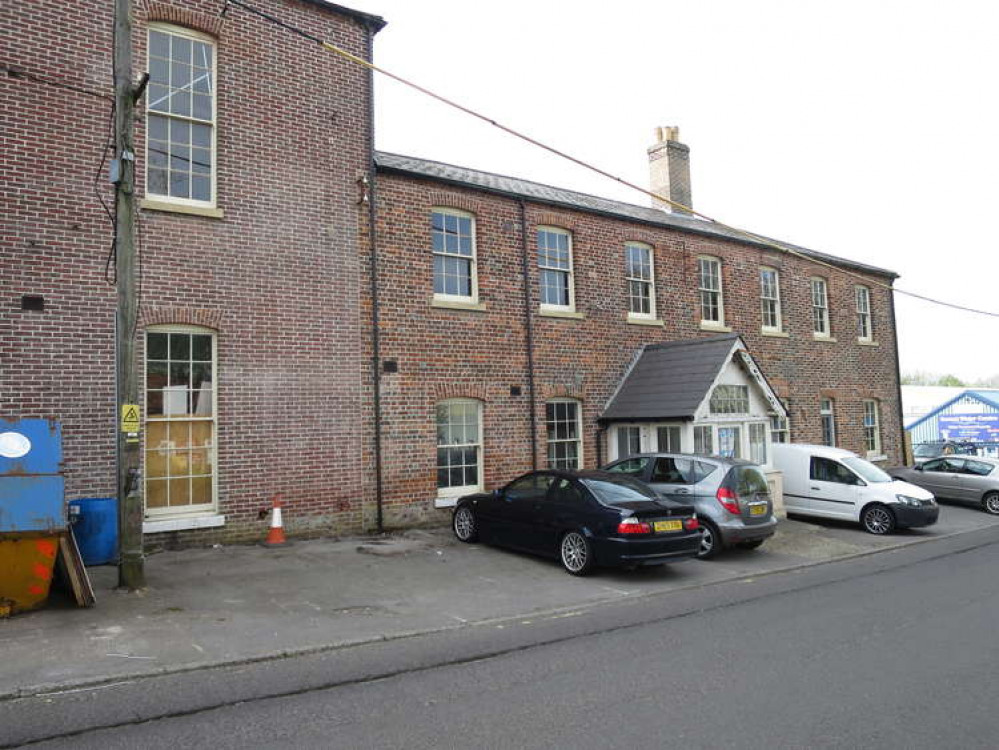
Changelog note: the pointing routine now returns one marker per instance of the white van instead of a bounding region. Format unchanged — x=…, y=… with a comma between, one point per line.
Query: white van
x=835, y=483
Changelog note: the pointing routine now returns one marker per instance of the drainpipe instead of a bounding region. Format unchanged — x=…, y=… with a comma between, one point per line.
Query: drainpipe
x=529, y=331
x=898, y=378
x=375, y=332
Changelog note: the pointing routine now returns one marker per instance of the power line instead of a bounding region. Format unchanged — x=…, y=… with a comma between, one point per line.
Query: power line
x=14, y=72
x=755, y=238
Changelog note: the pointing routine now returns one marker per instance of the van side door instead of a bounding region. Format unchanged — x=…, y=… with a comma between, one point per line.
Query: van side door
x=832, y=489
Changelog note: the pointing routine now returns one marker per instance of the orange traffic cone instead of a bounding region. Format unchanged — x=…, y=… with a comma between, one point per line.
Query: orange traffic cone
x=275, y=537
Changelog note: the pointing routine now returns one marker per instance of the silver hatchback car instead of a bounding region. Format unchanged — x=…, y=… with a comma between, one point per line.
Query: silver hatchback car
x=967, y=479
x=731, y=496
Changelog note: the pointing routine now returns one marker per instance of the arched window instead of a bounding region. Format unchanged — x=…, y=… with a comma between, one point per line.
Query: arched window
x=180, y=117
x=180, y=434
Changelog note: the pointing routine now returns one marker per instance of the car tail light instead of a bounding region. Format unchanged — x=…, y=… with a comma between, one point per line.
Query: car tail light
x=728, y=500
x=633, y=526
x=691, y=524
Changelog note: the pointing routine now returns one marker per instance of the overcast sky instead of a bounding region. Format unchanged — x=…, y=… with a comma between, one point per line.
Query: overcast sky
x=869, y=130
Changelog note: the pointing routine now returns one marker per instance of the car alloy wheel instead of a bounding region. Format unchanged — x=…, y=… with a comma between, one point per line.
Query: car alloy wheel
x=991, y=503
x=877, y=519
x=576, y=555
x=463, y=524
x=710, y=541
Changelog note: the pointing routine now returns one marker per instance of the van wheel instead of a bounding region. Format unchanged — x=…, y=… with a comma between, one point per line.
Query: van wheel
x=991, y=503
x=877, y=519
x=710, y=541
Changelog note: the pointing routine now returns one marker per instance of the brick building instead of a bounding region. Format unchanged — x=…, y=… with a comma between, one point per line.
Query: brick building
x=480, y=326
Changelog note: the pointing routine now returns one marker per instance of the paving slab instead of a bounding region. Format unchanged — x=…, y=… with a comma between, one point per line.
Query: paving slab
x=235, y=604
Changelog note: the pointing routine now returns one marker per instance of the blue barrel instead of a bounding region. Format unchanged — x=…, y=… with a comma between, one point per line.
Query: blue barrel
x=95, y=526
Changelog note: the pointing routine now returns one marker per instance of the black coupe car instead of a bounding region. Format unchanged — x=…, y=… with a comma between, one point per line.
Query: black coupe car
x=583, y=518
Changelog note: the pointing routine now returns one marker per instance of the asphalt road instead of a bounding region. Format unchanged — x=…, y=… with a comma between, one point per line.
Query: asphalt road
x=893, y=650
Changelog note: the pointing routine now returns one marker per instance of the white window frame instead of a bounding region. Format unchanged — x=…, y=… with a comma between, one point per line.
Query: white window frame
x=827, y=409
x=709, y=431
x=212, y=202
x=770, y=299
x=545, y=306
x=168, y=512
x=578, y=440
x=670, y=426
x=780, y=427
x=820, y=307
x=473, y=264
x=865, y=328
x=762, y=430
x=872, y=427
x=731, y=396
x=649, y=283
x=703, y=262
x=451, y=493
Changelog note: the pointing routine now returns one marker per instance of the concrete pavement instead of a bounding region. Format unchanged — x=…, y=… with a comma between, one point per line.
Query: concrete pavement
x=239, y=604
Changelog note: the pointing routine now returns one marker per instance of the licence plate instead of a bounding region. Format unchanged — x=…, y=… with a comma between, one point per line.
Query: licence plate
x=757, y=510
x=668, y=525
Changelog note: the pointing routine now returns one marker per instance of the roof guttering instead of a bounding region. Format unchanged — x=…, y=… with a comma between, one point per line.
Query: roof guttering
x=375, y=23
x=462, y=177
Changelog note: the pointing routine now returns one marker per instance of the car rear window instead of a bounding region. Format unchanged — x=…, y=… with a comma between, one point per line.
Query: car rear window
x=617, y=491
x=747, y=480
x=980, y=468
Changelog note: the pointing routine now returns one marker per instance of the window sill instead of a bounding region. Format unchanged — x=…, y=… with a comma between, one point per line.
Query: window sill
x=707, y=325
x=447, y=304
x=636, y=321
x=775, y=334
x=876, y=457
x=206, y=521
x=179, y=208
x=820, y=337
x=445, y=502
x=867, y=342
x=548, y=313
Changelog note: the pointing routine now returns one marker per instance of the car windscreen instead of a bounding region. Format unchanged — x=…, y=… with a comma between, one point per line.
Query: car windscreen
x=867, y=470
x=617, y=491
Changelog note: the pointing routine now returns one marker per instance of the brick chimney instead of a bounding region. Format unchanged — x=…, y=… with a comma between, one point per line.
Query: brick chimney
x=669, y=169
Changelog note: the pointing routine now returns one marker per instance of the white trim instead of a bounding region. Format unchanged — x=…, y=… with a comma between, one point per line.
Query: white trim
x=720, y=291
x=579, y=430
x=166, y=202
x=779, y=314
x=182, y=523
x=826, y=331
x=473, y=271
x=465, y=489
x=864, y=314
x=651, y=281
x=191, y=510
x=547, y=308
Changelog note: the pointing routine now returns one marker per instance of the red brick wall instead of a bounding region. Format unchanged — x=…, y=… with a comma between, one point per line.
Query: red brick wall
x=277, y=277
x=480, y=354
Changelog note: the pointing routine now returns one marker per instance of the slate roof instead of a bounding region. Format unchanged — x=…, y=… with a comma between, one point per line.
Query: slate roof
x=535, y=191
x=670, y=380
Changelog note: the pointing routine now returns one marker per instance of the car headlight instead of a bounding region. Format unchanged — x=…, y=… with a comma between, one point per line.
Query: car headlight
x=914, y=502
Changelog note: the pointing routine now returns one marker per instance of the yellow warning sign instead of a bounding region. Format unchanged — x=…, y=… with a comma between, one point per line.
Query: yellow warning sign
x=130, y=418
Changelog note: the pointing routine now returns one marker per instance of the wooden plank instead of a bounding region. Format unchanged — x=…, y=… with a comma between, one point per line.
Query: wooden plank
x=75, y=571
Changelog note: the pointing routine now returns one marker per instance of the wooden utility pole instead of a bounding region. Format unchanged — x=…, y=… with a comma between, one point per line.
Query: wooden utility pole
x=131, y=572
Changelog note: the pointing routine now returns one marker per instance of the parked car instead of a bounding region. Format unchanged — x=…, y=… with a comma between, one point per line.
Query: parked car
x=834, y=483
x=967, y=480
x=731, y=496
x=583, y=518
x=937, y=448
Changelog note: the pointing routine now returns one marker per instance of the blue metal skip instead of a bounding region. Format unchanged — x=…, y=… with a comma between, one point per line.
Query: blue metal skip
x=31, y=488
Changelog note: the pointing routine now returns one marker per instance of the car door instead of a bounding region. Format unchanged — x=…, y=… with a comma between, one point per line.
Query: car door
x=941, y=476
x=832, y=490
x=979, y=477
x=522, y=505
x=563, y=508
